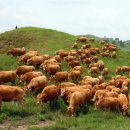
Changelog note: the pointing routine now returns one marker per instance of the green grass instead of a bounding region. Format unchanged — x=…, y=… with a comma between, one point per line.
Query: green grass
x=47, y=41
x=43, y=40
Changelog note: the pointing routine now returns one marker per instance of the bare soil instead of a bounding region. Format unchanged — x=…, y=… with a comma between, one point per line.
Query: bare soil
x=7, y=125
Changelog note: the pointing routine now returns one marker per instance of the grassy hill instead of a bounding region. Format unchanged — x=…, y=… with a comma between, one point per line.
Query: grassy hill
x=43, y=40
x=47, y=41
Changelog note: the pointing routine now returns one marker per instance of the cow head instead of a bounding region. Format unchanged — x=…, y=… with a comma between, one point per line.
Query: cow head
x=39, y=99
x=70, y=111
x=22, y=78
x=125, y=110
x=26, y=89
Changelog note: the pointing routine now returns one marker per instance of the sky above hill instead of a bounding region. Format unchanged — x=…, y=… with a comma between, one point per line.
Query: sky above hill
x=109, y=18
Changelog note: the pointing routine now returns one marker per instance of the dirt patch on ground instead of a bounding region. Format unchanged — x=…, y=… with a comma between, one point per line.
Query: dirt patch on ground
x=7, y=126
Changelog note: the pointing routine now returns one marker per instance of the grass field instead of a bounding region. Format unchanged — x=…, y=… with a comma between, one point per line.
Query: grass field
x=48, y=41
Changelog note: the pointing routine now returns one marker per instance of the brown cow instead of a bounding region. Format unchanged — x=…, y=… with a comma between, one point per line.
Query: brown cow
x=114, y=55
x=27, y=55
x=61, y=76
x=123, y=103
x=52, y=68
x=87, y=61
x=92, y=39
x=27, y=77
x=77, y=99
x=36, y=83
x=81, y=39
x=93, y=70
x=100, y=65
x=110, y=103
x=35, y=60
x=104, y=72
x=105, y=54
x=74, y=63
x=75, y=74
x=75, y=45
x=24, y=69
x=79, y=68
x=16, y=51
x=7, y=76
x=49, y=93
x=11, y=93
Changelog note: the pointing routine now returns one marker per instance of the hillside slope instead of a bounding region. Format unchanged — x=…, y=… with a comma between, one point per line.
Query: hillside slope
x=48, y=41
x=43, y=40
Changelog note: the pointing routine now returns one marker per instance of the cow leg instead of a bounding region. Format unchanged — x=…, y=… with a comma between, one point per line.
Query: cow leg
x=77, y=112
x=95, y=106
x=35, y=91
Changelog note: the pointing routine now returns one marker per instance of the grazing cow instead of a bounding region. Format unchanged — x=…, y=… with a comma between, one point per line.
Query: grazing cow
x=94, y=58
x=87, y=61
x=81, y=39
x=94, y=65
x=82, y=56
x=105, y=54
x=75, y=74
x=100, y=65
x=52, y=61
x=61, y=76
x=36, y=83
x=101, y=79
x=35, y=60
x=93, y=70
x=92, y=39
x=27, y=55
x=110, y=103
x=16, y=51
x=58, y=52
x=27, y=77
x=98, y=94
x=74, y=63
x=11, y=93
x=118, y=70
x=125, y=69
x=70, y=58
x=52, y=68
x=63, y=54
x=7, y=76
x=77, y=99
x=114, y=55
x=72, y=53
x=74, y=46
x=104, y=72
x=49, y=93
x=79, y=68
x=123, y=103
x=58, y=58
x=24, y=69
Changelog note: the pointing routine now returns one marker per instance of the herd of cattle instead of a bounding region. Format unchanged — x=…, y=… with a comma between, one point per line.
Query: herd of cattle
x=91, y=87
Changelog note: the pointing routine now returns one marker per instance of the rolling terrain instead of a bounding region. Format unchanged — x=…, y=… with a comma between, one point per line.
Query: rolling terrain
x=47, y=41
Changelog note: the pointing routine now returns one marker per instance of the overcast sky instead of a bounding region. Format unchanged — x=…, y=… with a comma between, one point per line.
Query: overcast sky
x=109, y=18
